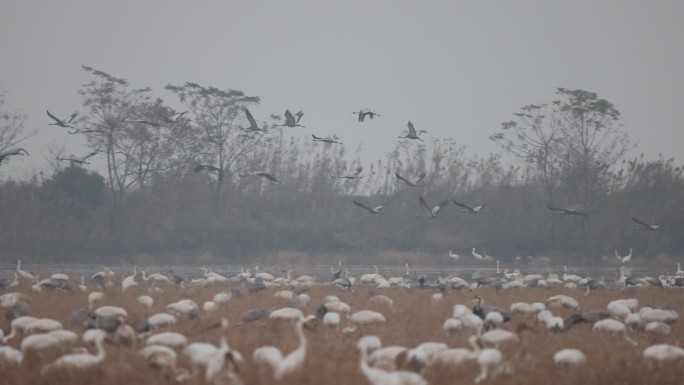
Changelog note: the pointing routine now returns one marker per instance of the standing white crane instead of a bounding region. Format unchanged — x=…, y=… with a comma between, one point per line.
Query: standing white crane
x=290, y=121
x=129, y=281
x=78, y=360
x=295, y=359
x=22, y=273
x=624, y=259
x=378, y=376
x=155, y=277
x=62, y=122
x=211, y=358
x=412, y=133
x=478, y=256
x=488, y=359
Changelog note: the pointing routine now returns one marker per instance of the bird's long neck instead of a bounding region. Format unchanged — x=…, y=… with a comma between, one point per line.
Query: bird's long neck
x=372, y=374
x=144, y=276
x=99, y=344
x=473, y=343
x=299, y=329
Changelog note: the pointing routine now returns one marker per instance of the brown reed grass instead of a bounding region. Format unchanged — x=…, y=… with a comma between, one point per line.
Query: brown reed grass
x=332, y=358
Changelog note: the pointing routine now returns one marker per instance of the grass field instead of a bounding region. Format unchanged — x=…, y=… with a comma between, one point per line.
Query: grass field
x=331, y=355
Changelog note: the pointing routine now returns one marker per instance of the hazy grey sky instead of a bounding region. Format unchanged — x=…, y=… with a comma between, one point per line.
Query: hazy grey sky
x=455, y=68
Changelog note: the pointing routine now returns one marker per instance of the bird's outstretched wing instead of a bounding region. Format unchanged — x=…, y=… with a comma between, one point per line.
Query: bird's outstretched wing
x=252, y=123
x=562, y=211
x=89, y=155
x=401, y=178
x=266, y=175
x=148, y=122
x=412, y=131
x=289, y=119
x=641, y=222
x=53, y=117
x=368, y=209
x=72, y=117
x=436, y=209
x=250, y=118
x=463, y=205
x=424, y=205
x=209, y=167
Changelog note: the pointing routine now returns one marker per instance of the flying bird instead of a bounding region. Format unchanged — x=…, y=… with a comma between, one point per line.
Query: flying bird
x=209, y=167
x=263, y=175
x=80, y=160
x=252, y=123
x=171, y=119
x=408, y=182
x=646, y=226
x=12, y=152
x=290, y=120
x=430, y=212
x=412, y=133
x=567, y=211
x=473, y=210
x=329, y=139
x=370, y=210
x=365, y=112
x=355, y=175
x=62, y=122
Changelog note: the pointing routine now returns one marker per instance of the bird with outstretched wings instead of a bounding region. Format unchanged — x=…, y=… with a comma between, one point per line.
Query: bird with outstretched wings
x=647, y=226
x=370, y=210
x=430, y=212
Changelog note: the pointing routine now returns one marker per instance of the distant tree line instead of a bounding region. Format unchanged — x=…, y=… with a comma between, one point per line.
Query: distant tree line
x=154, y=199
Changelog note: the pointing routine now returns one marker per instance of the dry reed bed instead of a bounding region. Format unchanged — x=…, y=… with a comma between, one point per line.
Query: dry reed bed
x=332, y=358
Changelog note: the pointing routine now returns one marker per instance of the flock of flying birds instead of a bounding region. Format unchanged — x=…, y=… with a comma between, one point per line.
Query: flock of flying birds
x=293, y=121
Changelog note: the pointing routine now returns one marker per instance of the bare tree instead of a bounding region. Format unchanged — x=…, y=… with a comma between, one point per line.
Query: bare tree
x=112, y=105
x=219, y=117
x=572, y=143
x=11, y=126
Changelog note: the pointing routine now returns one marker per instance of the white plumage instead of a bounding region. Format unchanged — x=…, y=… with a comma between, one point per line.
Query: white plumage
x=570, y=357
